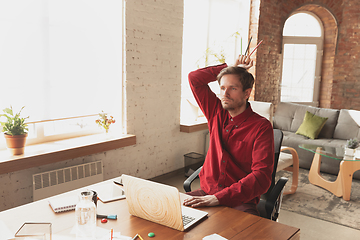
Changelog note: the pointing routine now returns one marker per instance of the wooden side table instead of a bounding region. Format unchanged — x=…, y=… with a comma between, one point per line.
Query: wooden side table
x=285, y=162
x=341, y=187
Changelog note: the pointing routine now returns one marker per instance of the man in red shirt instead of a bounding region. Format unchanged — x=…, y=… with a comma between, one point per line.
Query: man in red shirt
x=240, y=158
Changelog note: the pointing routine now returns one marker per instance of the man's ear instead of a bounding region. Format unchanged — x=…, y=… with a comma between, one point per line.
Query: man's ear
x=247, y=93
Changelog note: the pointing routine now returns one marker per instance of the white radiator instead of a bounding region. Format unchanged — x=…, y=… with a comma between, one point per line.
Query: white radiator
x=58, y=181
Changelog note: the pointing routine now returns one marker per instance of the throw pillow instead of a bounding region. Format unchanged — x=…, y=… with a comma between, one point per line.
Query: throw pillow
x=311, y=125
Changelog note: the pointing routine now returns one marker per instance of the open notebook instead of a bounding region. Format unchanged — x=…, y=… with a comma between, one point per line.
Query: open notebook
x=159, y=203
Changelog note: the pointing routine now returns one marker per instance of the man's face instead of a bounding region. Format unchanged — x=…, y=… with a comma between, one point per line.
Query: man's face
x=232, y=96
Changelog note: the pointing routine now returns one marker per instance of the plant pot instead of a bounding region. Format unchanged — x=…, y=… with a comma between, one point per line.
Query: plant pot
x=16, y=143
x=349, y=152
x=357, y=154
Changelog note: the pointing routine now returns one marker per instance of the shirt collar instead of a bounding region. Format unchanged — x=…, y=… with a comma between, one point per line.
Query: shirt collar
x=242, y=116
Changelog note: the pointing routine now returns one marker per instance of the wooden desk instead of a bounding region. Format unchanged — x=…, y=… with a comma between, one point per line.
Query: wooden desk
x=227, y=222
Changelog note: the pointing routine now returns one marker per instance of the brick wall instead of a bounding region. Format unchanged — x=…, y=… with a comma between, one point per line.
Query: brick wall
x=340, y=66
x=346, y=87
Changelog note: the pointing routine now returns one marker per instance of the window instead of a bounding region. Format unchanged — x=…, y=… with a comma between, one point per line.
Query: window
x=215, y=31
x=61, y=59
x=302, y=53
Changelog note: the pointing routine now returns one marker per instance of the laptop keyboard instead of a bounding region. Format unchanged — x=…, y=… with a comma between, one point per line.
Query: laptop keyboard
x=187, y=219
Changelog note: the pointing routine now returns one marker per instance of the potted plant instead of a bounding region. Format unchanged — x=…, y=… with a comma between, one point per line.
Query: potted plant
x=15, y=131
x=350, y=147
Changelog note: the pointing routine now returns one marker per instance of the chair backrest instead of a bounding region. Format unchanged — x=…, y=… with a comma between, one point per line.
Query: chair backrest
x=278, y=137
x=265, y=109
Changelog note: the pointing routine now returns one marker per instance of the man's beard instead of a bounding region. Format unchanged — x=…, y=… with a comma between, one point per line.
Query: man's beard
x=227, y=106
x=231, y=105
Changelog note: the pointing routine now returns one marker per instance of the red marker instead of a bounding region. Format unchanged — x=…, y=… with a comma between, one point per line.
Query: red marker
x=256, y=47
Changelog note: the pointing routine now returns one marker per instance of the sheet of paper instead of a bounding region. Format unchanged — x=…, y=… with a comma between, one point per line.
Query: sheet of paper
x=101, y=234
x=214, y=237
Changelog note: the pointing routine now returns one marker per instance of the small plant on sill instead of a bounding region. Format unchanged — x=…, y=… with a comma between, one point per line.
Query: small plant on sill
x=352, y=143
x=104, y=121
x=15, y=125
x=15, y=130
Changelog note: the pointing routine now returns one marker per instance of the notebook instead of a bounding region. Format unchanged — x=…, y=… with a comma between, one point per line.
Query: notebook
x=159, y=203
x=62, y=204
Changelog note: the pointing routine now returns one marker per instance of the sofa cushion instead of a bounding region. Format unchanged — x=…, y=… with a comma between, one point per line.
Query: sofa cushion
x=289, y=117
x=311, y=126
x=284, y=116
x=348, y=125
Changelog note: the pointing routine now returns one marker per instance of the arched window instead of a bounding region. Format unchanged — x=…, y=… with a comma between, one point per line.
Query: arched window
x=302, y=54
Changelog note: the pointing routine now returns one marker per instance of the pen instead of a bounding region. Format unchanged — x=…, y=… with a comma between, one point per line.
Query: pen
x=140, y=237
x=112, y=231
x=247, y=48
x=118, y=183
x=256, y=47
x=106, y=216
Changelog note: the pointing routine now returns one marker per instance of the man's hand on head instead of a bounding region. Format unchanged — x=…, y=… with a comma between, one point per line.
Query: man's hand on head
x=244, y=62
x=201, y=201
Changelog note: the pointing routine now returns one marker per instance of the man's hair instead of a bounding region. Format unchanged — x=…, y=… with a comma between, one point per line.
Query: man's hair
x=246, y=78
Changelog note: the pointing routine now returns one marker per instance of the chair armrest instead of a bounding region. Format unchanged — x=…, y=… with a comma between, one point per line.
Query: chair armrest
x=190, y=179
x=274, y=195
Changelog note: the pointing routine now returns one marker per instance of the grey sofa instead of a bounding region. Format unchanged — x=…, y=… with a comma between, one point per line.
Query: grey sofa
x=340, y=126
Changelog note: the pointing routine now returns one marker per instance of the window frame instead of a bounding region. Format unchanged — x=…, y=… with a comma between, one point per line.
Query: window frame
x=318, y=41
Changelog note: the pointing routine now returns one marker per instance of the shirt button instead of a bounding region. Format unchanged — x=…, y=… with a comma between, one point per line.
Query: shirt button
x=227, y=130
x=220, y=185
x=231, y=120
x=236, y=126
x=222, y=173
x=223, y=161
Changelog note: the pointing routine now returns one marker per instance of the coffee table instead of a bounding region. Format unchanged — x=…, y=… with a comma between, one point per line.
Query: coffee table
x=341, y=187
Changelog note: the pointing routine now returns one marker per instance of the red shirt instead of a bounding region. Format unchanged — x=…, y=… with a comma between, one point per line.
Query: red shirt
x=240, y=159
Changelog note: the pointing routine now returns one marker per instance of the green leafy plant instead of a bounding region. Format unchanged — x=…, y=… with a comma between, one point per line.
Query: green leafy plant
x=15, y=125
x=217, y=57
x=104, y=121
x=352, y=143
x=216, y=54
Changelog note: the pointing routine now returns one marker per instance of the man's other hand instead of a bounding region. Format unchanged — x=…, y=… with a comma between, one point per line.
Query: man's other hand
x=244, y=62
x=195, y=201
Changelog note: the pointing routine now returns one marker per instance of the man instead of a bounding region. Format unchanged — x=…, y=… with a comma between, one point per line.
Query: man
x=240, y=159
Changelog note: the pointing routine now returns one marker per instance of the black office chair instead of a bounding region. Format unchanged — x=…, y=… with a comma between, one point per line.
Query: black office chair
x=270, y=202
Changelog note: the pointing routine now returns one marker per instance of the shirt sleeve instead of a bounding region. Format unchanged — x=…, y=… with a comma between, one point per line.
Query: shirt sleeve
x=198, y=80
x=259, y=179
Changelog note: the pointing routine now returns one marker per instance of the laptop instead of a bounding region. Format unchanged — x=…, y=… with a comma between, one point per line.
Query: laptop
x=159, y=203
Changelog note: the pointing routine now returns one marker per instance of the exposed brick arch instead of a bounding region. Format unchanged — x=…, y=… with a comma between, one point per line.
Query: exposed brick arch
x=270, y=22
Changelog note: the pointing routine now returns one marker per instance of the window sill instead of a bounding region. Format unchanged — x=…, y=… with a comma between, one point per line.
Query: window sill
x=193, y=127
x=51, y=152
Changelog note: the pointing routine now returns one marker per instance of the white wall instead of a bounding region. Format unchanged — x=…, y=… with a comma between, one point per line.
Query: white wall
x=153, y=83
